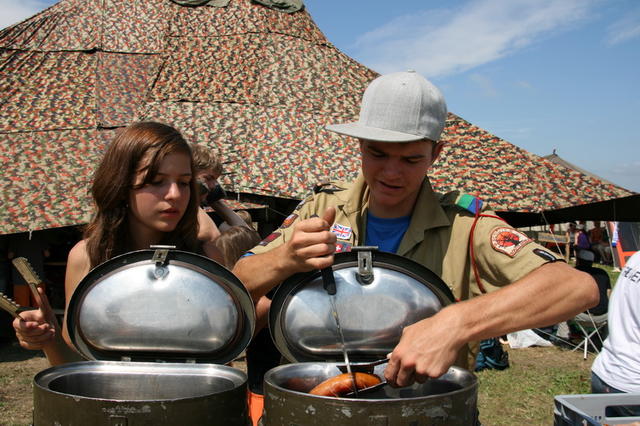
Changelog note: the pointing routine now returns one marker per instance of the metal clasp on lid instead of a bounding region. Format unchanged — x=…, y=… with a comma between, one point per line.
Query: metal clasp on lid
x=160, y=259
x=364, y=275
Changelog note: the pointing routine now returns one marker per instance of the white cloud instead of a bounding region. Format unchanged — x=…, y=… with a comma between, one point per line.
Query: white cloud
x=625, y=29
x=15, y=11
x=447, y=41
x=485, y=84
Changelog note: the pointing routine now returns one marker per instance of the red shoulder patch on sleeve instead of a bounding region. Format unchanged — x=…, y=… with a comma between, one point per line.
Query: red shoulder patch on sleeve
x=269, y=238
x=508, y=240
x=289, y=221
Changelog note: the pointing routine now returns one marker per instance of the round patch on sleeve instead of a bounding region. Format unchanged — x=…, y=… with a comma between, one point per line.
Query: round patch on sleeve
x=508, y=240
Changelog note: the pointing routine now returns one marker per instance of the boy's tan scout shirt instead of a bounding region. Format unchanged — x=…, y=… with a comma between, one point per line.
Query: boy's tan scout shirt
x=437, y=237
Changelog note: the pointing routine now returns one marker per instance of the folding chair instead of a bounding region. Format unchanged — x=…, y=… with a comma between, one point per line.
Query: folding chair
x=589, y=326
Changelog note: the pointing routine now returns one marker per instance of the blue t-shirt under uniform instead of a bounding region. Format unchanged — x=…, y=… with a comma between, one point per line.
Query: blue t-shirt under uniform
x=386, y=233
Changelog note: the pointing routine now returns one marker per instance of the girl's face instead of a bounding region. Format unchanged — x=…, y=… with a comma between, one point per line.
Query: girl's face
x=158, y=206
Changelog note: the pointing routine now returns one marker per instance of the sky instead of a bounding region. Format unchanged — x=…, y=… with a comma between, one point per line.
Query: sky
x=544, y=75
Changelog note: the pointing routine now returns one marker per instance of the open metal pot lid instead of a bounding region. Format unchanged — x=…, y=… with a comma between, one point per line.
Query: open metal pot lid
x=377, y=295
x=161, y=305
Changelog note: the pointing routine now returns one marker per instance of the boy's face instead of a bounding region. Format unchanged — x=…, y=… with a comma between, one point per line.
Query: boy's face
x=394, y=173
x=209, y=178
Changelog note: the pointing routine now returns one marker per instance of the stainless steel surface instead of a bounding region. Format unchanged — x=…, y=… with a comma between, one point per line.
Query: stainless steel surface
x=448, y=400
x=139, y=308
x=371, y=316
x=102, y=393
x=140, y=381
x=183, y=310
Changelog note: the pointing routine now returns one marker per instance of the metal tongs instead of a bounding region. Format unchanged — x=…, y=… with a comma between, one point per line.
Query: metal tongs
x=329, y=284
x=367, y=390
x=368, y=368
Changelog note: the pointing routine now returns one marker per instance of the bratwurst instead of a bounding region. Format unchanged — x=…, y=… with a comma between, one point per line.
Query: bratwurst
x=343, y=383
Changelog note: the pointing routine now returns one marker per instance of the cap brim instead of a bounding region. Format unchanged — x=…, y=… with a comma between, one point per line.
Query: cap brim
x=357, y=130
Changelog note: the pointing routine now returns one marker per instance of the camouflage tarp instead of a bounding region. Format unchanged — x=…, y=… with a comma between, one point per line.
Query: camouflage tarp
x=253, y=83
x=510, y=178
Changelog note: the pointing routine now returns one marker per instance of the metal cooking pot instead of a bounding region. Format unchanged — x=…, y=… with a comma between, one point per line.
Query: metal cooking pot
x=160, y=322
x=377, y=295
x=448, y=400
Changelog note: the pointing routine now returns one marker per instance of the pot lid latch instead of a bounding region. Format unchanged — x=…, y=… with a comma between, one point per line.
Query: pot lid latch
x=364, y=275
x=160, y=259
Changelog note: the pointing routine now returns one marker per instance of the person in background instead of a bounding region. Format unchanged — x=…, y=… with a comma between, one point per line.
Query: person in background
x=598, y=313
x=393, y=206
x=582, y=239
x=616, y=369
x=208, y=171
x=246, y=216
x=145, y=194
x=236, y=241
x=600, y=243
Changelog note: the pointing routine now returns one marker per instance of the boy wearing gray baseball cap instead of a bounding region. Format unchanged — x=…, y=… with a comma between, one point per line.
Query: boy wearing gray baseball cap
x=502, y=278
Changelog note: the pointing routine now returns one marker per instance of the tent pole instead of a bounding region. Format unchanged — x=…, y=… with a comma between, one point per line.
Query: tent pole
x=555, y=241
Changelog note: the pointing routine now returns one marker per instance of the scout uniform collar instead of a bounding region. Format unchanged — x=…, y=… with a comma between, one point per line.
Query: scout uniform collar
x=356, y=198
x=427, y=212
x=354, y=205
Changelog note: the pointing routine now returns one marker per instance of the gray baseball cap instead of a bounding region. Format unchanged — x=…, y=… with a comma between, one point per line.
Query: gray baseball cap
x=398, y=107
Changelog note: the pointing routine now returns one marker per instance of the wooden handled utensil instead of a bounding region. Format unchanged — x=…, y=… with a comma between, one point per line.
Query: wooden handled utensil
x=30, y=276
x=10, y=306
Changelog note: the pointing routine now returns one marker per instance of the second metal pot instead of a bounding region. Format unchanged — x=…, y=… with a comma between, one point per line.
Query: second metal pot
x=448, y=400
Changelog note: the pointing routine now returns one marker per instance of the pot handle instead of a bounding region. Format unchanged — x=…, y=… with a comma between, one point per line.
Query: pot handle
x=365, y=264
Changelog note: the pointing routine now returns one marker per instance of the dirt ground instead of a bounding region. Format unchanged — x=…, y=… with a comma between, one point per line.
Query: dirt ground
x=17, y=368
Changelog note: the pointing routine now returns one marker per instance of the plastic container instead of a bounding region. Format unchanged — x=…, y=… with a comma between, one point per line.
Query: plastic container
x=591, y=409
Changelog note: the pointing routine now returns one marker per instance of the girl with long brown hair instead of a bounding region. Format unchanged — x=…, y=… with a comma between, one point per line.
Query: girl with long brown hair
x=145, y=194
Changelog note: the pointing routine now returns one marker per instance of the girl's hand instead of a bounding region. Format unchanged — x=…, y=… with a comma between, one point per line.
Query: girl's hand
x=38, y=327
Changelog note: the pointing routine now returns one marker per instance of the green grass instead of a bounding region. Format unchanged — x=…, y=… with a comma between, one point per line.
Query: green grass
x=524, y=393
x=613, y=274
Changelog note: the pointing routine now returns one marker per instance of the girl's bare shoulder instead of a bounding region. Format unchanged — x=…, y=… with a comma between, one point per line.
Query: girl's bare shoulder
x=78, y=258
